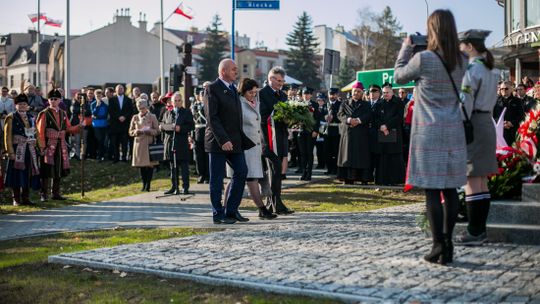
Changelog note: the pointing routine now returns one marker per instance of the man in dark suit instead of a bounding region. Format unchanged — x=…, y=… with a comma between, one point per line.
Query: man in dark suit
x=120, y=112
x=274, y=152
x=225, y=142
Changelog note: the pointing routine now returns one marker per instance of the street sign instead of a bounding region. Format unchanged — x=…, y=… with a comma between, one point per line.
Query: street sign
x=380, y=77
x=191, y=70
x=257, y=4
x=331, y=61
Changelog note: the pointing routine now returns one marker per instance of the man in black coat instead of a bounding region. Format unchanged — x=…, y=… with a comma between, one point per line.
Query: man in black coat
x=332, y=136
x=225, y=141
x=274, y=152
x=374, y=147
x=514, y=112
x=120, y=113
x=307, y=137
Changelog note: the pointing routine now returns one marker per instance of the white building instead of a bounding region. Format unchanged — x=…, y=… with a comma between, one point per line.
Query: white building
x=22, y=66
x=118, y=53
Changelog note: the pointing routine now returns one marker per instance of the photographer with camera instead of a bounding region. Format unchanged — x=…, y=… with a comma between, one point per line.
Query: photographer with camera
x=438, y=155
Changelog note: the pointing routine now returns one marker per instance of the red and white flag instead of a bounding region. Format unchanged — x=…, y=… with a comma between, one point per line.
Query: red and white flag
x=53, y=22
x=184, y=11
x=34, y=17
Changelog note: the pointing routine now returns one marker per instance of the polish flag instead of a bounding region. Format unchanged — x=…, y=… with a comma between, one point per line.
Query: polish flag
x=186, y=12
x=53, y=22
x=34, y=17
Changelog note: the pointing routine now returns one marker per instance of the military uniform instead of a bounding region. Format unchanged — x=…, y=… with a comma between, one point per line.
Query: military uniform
x=201, y=157
x=332, y=137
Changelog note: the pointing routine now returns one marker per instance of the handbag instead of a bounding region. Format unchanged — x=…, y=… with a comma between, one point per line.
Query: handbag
x=467, y=124
x=156, y=151
x=390, y=138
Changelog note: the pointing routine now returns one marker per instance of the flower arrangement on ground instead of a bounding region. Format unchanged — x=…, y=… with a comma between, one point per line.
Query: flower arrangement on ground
x=294, y=113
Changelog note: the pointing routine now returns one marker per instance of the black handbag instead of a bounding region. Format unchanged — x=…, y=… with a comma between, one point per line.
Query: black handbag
x=467, y=124
x=156, y=151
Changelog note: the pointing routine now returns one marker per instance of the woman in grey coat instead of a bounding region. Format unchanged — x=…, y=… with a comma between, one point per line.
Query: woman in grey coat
x=438, y=155
x=251, y=125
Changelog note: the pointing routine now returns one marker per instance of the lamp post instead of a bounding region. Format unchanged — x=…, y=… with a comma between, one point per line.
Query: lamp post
x=427, y=8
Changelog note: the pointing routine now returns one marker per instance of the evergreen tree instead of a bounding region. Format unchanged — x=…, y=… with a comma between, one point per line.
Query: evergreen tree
x=213, y=51
x=303, y=47
x=387, y=40
x=346, y=73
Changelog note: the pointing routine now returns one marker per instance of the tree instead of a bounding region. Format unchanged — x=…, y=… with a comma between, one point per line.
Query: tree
x=366, y=29
x=346, y=73
x=213, y=51
x=302, y=63
x=387, y=39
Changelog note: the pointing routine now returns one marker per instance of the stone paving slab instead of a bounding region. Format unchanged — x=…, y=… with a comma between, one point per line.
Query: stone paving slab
x=141, y=210
x=367, y=257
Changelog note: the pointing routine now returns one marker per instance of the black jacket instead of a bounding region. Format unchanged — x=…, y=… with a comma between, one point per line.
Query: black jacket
x=224, y=120
x=184, y=119
x=389, y=113
x=514, y=114
x=115, y=112
x=268, y=98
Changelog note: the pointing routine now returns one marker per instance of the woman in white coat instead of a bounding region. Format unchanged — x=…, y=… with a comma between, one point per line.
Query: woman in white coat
x=251, y=125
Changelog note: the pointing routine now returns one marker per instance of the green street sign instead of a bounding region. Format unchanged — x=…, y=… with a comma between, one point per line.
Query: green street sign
x=380, y=77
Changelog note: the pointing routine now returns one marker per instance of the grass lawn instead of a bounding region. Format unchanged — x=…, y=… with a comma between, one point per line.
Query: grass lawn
x=104, y=181
x=331, y=196
x=25, y=277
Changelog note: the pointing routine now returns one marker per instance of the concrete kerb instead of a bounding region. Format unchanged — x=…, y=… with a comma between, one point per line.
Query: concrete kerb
x=347, y=298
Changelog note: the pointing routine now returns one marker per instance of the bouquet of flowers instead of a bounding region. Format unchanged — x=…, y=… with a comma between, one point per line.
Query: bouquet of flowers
x=293, y=113
x=513, y=165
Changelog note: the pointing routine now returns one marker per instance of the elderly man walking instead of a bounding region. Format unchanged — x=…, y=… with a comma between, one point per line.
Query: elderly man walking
x=225, y=141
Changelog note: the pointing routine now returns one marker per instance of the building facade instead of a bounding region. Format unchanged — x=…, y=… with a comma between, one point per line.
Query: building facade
x=522, y=38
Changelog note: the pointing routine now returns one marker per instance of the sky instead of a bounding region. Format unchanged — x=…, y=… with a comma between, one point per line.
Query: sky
x=271, y=27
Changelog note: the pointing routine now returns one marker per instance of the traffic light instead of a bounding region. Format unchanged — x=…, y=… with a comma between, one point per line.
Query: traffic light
x=176, y=76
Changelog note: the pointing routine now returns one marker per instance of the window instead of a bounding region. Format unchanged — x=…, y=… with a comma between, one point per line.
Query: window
x=34, y=78
x=22, y=77
x=1, y=62
x=271, y=64
x=514, y=15
x=245, y=69
x=532, y=12
x=11, y=81
x=258, y=64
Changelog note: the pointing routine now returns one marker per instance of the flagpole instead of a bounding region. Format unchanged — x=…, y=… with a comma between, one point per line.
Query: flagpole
x=37, y=40
x=232, y=39
x=67, y=63
x=161, y=55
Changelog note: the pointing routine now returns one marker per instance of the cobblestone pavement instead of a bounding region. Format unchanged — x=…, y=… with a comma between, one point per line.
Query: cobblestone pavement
x=366, y=257
x=142, y=210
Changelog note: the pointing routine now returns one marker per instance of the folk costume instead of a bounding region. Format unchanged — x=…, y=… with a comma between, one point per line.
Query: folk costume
x=20, y=144
x=53, y=125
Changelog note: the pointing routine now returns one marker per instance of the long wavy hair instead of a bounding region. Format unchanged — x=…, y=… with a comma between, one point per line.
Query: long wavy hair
x=443, y=37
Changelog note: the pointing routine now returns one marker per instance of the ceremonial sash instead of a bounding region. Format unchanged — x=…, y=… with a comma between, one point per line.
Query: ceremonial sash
x=52, y=142
x=21, y=143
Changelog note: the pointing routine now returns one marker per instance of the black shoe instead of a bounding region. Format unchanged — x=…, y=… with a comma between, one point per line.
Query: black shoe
x=308, y=177
x=237, y=216
x=283, y=176
x=225, y=220
x=319, y=167
x=438, y=254
x=327, y=173
x=170, y=191
x=27, y=203
x=200, y=180
x=298, y=171
x=265, y=214
x=303, y=177
x=186, y=192
x=115, y=161
x=285, y=211
x=59, y=198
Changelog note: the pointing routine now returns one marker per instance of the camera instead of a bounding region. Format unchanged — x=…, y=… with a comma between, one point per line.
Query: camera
x=419, y=42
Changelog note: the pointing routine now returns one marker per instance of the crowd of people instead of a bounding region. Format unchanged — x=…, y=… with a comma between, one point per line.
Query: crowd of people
x=370, y=136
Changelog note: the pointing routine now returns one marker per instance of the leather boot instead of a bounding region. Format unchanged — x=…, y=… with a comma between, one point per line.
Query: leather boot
x=25, y=196
x=449, y=248
x=16, y=196
x=265, y=214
